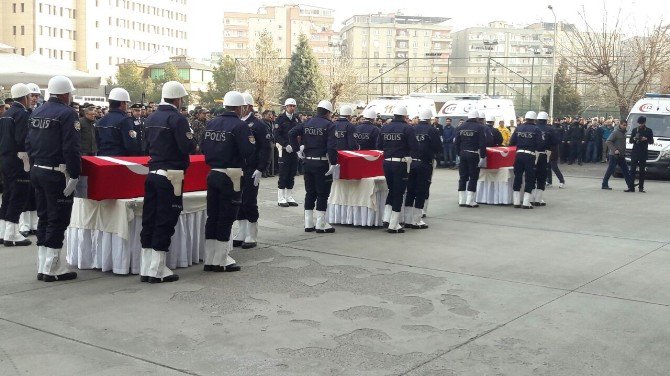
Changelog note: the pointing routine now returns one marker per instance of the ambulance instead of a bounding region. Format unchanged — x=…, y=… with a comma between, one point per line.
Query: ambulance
x=656, y=108
x=385, y=105
x=457, y=109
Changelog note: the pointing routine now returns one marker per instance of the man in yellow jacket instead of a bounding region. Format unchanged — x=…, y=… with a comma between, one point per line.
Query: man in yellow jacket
x=506, y=134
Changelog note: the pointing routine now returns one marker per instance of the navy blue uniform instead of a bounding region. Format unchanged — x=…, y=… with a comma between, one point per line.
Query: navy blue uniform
x=397, y=140
x=547, y=143
x=429, y=143
x=115, y=136
x=53, y=141
x=257, y=161
x=140, y=136
x=638, y=157
x=319, y=140
x=527, y=139
x=16, y=181
x=470, y=144
x=169, y=141
x=226, y=143
x=288, y=163
x=366, y=135
x=344, y=135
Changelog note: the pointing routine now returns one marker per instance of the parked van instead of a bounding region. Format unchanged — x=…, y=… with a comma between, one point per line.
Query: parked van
x=94, y=100
x=656, y=108
x=457, y=109
x=385, y=105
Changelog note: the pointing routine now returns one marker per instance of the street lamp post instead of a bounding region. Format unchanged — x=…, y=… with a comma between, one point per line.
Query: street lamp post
x=553, y=67
x=489, y=45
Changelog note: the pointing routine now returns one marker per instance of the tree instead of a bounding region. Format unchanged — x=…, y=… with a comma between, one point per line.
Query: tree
x=130, y=77
x=223, y=81
x=303, y=82
x=170, y=73
x=567, y=101
x=342, y=83
x=261, y=74
x=628, y=66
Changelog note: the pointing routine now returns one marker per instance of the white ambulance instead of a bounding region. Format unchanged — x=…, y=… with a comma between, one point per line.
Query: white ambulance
x=656, y=108
x=385, y=105
x=457, y=109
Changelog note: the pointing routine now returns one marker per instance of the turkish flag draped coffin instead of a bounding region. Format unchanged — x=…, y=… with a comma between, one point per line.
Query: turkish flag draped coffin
x=105, y=178
x=500, y=156
x=360, y=164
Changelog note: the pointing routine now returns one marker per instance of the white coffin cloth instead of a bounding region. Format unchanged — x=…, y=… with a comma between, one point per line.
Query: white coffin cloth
x=357, y=202
x=495, y=186
x=106, y=234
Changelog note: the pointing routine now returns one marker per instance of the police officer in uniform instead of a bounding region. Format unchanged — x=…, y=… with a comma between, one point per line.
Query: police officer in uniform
x=320, y=154
x=170, y=141
x=52, y=145
x=497, y=137
x=28, y=219
x=138, y=127
x=114, y=133
x=470, y=144
x=418, y=185
x=253, y=167
x=367, y=132
x=397, y=140
x=641, y=137
x=226, y=143
x=344, y=130
x=547, y=142
x=15, y=166
x=288, y=159
x=527, y=139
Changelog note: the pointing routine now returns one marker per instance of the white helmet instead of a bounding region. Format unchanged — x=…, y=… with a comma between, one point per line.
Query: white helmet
x=248, y=99
x=19, y=90
x=233, y=99
x=290, y=101
x=326, y=105
x=173, y=90
x=119, y=94
x=346, y=111
x=473, y=114
x=482, y=114
x=400, y=110
x=60, y=85
x=425, y=114
x=34, y=89
x=370, y=114
x=490, y=117
x=543, y=116
x=531, y=115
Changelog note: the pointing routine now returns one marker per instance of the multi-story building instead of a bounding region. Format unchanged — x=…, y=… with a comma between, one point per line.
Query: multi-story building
x=94, y=35
x=398, y=54
x=285, y=23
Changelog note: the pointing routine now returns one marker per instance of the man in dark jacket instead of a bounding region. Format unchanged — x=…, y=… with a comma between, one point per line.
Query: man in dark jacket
x=575, y=139
x=448, y=144
x=87, y=132
x=641, y=137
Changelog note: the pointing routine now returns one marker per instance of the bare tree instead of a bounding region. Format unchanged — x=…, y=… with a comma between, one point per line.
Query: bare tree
x=342, y=80
x=262, y=74
x=628, y=66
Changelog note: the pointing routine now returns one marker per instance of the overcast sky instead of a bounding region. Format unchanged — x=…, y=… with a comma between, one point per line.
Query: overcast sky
x=205, y=16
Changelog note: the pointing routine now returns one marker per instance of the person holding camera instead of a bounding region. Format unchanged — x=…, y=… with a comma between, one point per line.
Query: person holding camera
x=616, y=144
x=641, y=137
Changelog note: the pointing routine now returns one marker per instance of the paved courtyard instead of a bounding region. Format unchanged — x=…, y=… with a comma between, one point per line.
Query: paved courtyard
x=579, y=287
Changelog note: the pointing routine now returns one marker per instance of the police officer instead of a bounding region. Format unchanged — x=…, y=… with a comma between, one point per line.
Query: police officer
x=344, y=130
x=367, y=132
x=226, y=143
x=288, y=159
x=28, y=219
x=397, y=140
x=138, y=127
x=253, y=167
x=497, y=137
x=470, y=144
x=545, y=145
x=527, y=139
x=418, y=185
x=641, y=137
x=15, y=166
x=169, y=141
x=320, y=154
x=114, y=133
x=52, y=145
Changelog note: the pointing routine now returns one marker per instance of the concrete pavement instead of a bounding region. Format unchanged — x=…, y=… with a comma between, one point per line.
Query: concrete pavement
x=574, y=288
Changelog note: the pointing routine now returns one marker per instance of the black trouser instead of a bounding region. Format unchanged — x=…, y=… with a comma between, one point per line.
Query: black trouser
x=30, y=204
x=288, y=167
x=16, y=189
x=317, y=185
x=524, y=164
x=418, y=184
x=575, y=151
x=553, y=166
x=249, y=208
x=396, y=181
x=160, y=213
x=541, y=172
x=53, y=208
x=468, y=171
x=564, y=147
x=615, y=161
x=223, y=204
x=641, y=161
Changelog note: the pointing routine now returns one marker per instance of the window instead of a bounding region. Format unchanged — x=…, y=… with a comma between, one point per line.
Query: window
x=23, y=30
x=41, y=32
x=23, y=50
x=23, y=8
x=14, y=8
x=13, y=30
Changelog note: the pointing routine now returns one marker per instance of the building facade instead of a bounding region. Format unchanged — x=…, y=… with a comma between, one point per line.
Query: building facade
x=94, y=35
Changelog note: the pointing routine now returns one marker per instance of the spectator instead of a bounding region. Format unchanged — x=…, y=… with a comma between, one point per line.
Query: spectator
x=606, y=131
x=87, y=132
x=506, y=134
x=641, y=137
x=198, y=125
x=616, y=144
x=448, y=135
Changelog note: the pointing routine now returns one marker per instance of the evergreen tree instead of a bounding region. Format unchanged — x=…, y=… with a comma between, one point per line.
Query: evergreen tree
x=303, y=82
x=567, y=101
x=130, y=77
x=223, y=81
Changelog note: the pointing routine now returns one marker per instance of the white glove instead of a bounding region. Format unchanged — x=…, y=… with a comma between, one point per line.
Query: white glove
x=70, y=186
x=289, y=149
x=26, y=162
x=301, y=154
x=257, y=177
x=482, y=163
x=333, y=170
